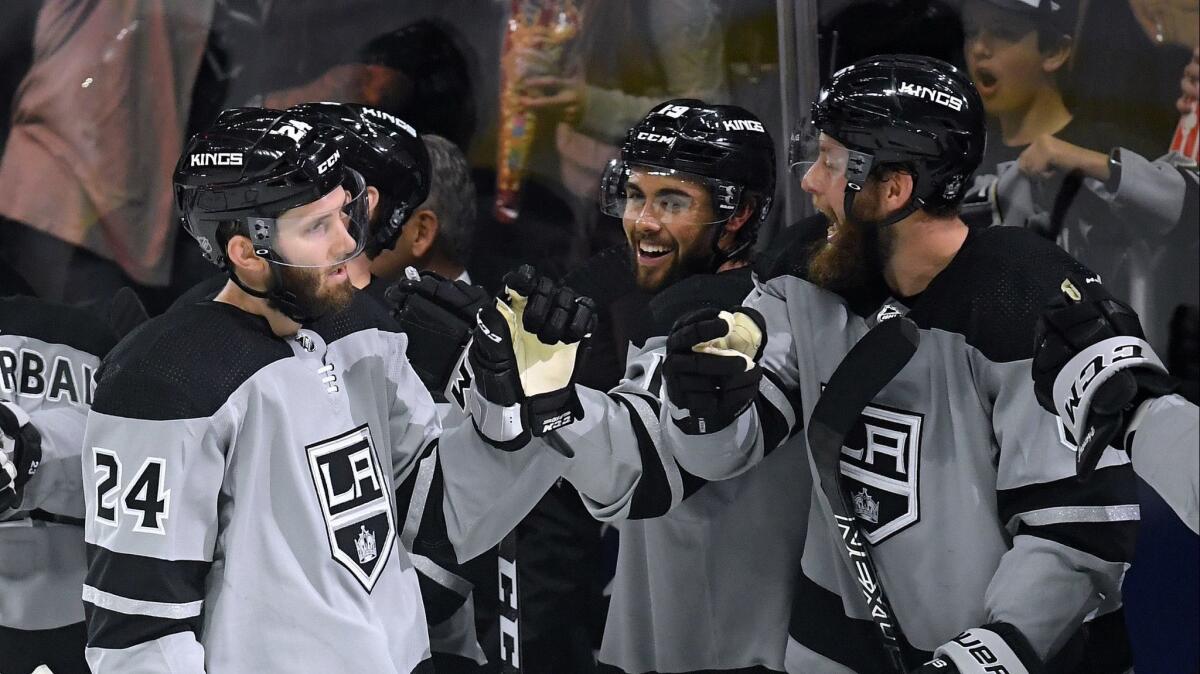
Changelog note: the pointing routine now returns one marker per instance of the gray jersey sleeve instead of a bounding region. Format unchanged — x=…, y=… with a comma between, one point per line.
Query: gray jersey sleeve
x=1071, y=541
x=1165, y=454
x=151, y=492
x=768, y=421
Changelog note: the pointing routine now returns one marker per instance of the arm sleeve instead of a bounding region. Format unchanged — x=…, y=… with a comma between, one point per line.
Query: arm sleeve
x=1165, y=454
x=772, y=418
x=1071, y=541
x=57, y=487
x=151, y=489
x=1149, y=195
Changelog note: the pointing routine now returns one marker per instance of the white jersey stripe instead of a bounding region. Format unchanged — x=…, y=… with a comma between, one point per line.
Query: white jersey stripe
x=156, y=609
x=1076, y=515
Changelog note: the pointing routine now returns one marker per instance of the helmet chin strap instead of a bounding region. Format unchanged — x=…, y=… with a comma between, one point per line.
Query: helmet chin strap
x=283, y=299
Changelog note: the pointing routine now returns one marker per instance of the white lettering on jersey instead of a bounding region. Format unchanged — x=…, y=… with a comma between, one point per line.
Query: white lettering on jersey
x=929, y=93
x=216, y=159
x=144, y=502
x=26, y=373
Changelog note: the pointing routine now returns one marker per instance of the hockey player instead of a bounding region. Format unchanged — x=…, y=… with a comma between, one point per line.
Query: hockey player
x=242, y=456
x=48, y=354
x=961, y=483
x=1094, y=369
x=692, y=186
x=384, y=149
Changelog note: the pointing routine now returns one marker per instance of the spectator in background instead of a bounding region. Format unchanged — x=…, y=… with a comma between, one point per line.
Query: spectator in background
x=664, y=49
x=85, y=197
x=1155, y=205
x=437, y=237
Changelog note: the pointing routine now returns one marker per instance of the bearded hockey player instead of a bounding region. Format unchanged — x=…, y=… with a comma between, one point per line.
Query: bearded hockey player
x=49, y=353
x=692, y=186
x=992, y=553
x=243, y=454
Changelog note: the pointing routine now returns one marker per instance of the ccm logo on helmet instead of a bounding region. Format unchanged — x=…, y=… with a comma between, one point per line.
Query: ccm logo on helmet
x=217, y=159
x=743, y=125
x=655, y=137
x=328, y=163
x=939, y=97
x=388, y=117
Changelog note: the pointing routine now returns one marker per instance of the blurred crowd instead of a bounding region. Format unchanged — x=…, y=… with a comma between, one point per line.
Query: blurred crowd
x=1091, y=142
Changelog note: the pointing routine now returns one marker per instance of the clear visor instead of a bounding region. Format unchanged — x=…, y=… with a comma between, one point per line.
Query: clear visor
x=817, y=157
x=670, y=197
x=327, y=232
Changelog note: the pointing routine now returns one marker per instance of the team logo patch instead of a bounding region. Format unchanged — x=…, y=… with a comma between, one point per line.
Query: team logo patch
x=880, y=470
x=353, y=493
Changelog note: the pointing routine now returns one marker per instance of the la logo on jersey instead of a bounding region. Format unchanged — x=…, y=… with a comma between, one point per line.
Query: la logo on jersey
x=354, y=501
x=880, y=466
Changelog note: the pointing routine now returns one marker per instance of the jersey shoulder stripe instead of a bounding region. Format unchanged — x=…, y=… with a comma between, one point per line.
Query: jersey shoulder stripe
x=186, y=363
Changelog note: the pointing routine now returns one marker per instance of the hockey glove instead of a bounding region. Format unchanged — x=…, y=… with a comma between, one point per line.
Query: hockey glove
x=527, y=350
x=20, y=453
x=1093, y=368
x=438, y=315
x=711, y=369
x=998, y=647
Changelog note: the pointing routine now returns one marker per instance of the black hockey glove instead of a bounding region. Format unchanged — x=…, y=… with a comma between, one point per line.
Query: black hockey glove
x=711, y=370
x=438, y=315
x=20, y=453
x=1093, y=368
x=527, y=349
x=998, y=647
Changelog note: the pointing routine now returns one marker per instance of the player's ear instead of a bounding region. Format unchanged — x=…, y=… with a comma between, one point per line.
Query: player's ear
x=425, y=231
x=372, y=200
x=897, y=189
x=240, y=255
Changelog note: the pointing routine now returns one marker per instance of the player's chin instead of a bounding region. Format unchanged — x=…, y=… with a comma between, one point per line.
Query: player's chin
x=652, y=279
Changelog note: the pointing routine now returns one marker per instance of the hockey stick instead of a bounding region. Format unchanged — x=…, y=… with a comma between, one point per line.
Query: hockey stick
x=509, y=613
x=873, y=362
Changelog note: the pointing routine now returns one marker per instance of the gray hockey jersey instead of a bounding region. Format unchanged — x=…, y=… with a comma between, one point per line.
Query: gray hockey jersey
x=705, y=571
x=965, y=488
x=240, y=497
x=49, y=354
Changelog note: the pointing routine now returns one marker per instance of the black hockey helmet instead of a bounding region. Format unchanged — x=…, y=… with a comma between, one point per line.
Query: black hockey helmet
x=915, y=111
x=249, y=169
x=389, y=154
x=724, y=147
x=253, y=164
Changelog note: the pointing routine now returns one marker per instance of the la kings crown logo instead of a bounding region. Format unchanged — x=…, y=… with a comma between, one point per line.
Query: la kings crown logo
x=881, y=459
x=353, y=493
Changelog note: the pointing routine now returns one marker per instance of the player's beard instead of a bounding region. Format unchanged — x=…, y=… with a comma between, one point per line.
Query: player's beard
x=314, y=298
x=696, y=257
x=854, y=256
